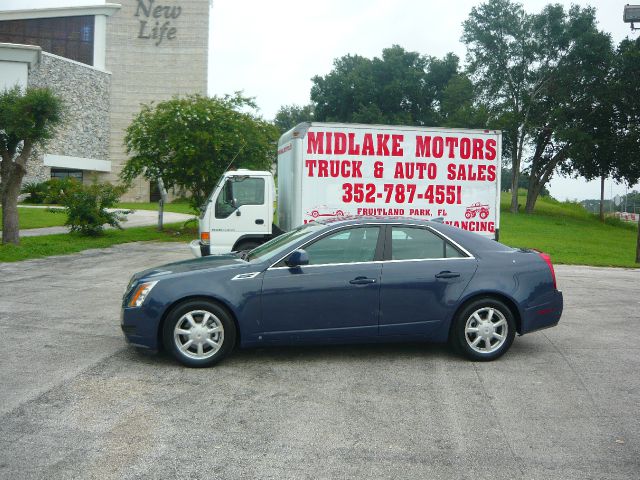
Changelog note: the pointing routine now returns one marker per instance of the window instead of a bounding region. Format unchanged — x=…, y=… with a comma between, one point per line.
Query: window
x=410, y=243
x=346, y=246
x=239, y=191
x=64, y=173
x=69, y=37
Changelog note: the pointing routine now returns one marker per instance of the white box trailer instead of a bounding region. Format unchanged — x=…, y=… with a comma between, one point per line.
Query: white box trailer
x=340, y=169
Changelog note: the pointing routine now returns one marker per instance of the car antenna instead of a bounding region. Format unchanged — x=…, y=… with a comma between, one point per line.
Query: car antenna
x=236, y=155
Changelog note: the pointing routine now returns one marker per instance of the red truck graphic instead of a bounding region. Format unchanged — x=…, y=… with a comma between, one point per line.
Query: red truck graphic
x=477, y=209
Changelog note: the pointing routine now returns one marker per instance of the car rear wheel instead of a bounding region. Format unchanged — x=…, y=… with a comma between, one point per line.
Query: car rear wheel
x=199, y=333
x=484, y=330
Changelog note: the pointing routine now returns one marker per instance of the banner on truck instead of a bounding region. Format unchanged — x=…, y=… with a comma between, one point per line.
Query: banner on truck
x=429, y=173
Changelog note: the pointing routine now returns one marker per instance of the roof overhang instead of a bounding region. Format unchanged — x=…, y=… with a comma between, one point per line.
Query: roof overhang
x=13, y=52
x=106, y=9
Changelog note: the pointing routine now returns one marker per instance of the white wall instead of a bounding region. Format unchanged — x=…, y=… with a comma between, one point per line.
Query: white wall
x=12, y=73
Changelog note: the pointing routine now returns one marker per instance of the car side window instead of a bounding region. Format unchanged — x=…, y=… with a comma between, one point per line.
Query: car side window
x=412, y=243
x=346, y=246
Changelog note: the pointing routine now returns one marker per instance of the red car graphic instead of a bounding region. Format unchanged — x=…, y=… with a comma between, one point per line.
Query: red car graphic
x=337, y=213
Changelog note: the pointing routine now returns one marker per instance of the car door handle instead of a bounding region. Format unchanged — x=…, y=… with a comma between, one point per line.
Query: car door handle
x=259, y=221
x=447, y=274
x=362, y=281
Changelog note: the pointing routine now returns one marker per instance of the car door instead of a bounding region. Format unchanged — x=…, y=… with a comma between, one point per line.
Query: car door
x=335, y=297
x=423, y=276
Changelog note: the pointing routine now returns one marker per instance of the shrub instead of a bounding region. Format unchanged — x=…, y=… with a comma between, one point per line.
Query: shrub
x=58, y=187
x=37, y=192
x=87, y=206
x=50, y=191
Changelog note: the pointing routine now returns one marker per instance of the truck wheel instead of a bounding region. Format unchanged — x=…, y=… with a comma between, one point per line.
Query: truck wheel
x=199, y=333
x=484, y=213
x=246, y=246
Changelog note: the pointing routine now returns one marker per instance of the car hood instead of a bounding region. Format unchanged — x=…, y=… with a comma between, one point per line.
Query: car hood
x=211, y=262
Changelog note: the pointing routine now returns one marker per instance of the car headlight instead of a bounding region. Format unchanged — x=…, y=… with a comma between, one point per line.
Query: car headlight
x=140, y=294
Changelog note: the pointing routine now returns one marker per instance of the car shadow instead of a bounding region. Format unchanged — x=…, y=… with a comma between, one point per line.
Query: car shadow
x=322, y=354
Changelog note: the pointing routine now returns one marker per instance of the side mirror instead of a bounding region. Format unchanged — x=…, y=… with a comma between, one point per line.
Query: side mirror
x=234, y=203
x=297, y=258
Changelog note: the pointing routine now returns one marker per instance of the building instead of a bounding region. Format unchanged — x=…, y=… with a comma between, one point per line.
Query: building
x=104, y=60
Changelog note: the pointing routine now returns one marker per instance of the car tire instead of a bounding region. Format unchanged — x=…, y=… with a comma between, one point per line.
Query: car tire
x=199, y=333
x=483, y=330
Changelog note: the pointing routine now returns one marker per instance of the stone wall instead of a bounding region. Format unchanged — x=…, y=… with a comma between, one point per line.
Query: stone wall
x=84, y=131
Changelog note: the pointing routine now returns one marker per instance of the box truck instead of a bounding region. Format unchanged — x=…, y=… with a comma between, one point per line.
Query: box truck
x=339, y=170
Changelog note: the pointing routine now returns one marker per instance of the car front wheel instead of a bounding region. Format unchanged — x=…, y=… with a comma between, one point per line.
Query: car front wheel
x=484, y=330
x=199, y=333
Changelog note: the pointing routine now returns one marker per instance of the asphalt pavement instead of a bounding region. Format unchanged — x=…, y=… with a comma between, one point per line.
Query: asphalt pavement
x=77, y=402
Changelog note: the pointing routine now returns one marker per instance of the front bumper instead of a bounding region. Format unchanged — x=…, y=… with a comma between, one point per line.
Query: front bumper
x=139, y=330
x=543, y=315
x=198, y=249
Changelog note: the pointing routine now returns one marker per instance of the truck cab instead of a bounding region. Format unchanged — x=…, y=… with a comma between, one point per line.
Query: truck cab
x=238, y=214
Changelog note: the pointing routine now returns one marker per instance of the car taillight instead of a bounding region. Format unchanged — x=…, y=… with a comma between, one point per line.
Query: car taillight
x=547, y=259
x=205, y=238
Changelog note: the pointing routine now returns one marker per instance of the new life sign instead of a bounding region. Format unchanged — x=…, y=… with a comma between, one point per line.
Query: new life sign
x=156, y=21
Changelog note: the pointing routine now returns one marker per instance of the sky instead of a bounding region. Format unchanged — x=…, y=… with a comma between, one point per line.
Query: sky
x=271, y=50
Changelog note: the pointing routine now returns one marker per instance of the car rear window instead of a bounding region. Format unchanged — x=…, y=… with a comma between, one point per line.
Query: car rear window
x=413, y=243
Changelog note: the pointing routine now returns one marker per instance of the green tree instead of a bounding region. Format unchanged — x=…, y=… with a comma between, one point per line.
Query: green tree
x=523, y=181
x=608, y=144
x=572, y=121
x=288, y=116
x=626, y=75
x=459, y=106
x=535, y=73
x=401, y=88
x=27, y=120
x=189, y=142
x=501, y=59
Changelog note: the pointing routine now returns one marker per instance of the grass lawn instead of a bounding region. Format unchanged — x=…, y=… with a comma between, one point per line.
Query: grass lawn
x=39, y=218
x=570, y=234
x=47, y=245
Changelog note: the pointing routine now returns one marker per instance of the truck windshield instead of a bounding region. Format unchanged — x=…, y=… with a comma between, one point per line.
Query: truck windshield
x=280, y=244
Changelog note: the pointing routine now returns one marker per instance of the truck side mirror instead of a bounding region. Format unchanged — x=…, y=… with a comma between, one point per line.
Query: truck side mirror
x=297, y=259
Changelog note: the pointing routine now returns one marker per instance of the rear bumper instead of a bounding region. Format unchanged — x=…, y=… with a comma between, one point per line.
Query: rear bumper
x=543, y=315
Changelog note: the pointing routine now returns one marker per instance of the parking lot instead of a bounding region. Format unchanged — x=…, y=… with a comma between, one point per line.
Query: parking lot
x=77, y=402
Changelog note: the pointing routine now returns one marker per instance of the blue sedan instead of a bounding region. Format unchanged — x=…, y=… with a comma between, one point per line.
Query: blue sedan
x=346, y=281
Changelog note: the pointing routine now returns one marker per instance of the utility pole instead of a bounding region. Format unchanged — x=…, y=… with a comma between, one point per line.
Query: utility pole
x=163, y=198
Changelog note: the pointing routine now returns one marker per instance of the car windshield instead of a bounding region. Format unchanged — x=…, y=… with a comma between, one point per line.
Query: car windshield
x=281, y=243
